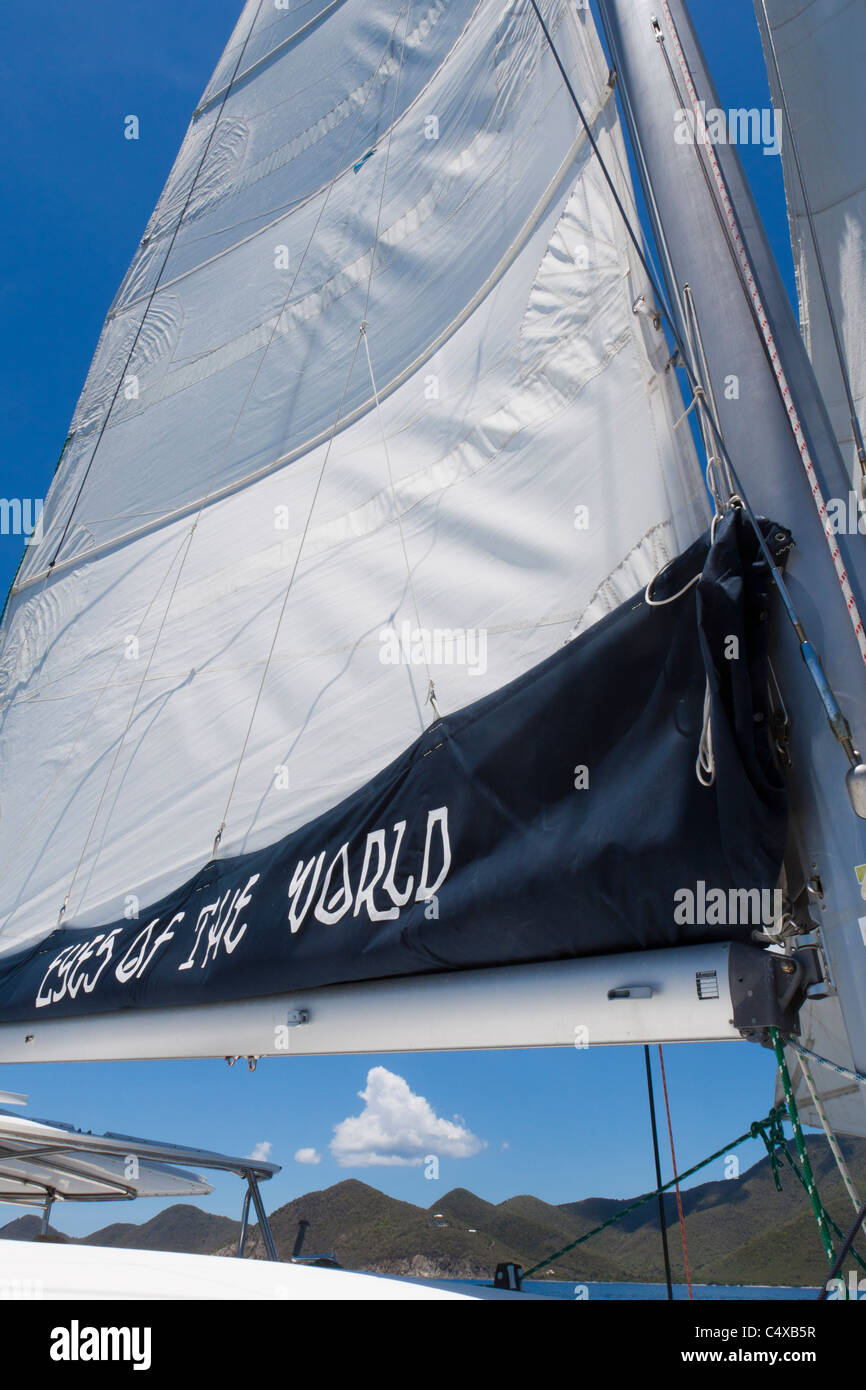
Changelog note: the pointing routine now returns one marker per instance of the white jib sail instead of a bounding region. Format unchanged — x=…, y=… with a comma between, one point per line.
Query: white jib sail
x=200, y=633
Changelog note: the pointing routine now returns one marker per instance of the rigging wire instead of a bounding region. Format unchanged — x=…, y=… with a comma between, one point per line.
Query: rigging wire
x=677, y=1185
x=659, y=1190
x=783, y=1152
x=283, y=606
x=692, y=325
x=836, y=1151
x=837, y=1067
x=838, y=724
x=776, y=1144
x=846, y=1245
x=431, y=691
x=819, y=259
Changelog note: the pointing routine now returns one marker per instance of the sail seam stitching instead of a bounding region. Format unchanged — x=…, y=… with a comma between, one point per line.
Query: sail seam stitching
x=185, y=549
x=240, y=483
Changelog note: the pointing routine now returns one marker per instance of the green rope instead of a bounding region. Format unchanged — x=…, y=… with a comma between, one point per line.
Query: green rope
x=775, y=1143
x=772, y=1123
x=771, y=1131
x=805, y=1164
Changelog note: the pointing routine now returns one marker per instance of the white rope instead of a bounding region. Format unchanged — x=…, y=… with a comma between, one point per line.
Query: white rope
x=697, y=395
x=705, y=767
x=734, y=500
x=714, y=463
x=662, y=602
x=705, y=763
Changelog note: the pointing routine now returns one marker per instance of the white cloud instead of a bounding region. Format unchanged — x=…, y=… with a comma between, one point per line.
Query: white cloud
x=308, y=1156
x=396, y=1128
x=262, y=1151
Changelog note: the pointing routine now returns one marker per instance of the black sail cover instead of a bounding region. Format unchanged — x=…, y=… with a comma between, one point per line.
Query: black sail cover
x=559, y=817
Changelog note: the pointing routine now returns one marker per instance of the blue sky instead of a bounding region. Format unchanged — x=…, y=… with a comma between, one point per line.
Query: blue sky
x=560, y=1124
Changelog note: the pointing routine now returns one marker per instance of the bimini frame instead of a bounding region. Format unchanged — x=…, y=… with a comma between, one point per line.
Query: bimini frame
x=41, y=1163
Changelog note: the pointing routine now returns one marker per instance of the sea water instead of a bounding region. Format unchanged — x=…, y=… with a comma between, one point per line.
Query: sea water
x=571, y=1289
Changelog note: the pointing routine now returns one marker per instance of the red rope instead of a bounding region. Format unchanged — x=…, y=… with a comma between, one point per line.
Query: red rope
x=674, y=1162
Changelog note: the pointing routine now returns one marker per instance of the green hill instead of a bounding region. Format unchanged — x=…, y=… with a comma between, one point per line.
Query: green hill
x=181, y=1228
x=29, y=1228
x=741, y=1231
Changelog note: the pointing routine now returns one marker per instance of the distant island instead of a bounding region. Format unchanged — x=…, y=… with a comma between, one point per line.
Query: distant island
x=740, y=1231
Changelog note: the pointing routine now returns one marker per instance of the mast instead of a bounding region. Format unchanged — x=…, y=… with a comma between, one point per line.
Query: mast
x=815, y=63
x=660, y=63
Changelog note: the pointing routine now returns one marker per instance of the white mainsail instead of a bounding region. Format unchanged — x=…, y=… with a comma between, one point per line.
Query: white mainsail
x=816, y=56
x=197, y=637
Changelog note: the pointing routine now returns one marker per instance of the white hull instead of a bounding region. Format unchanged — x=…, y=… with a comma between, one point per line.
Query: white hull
x=43, y=1272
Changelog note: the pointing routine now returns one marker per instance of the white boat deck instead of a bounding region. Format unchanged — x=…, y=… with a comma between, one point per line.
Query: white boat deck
x=44, y=1271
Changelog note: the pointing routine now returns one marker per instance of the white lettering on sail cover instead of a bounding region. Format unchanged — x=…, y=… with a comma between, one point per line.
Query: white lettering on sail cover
x=377, y=895
x=65, y=969
x=299, y=878
x=330, y=906
x=323, y=891
x=220, y=918
x=137, y=958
